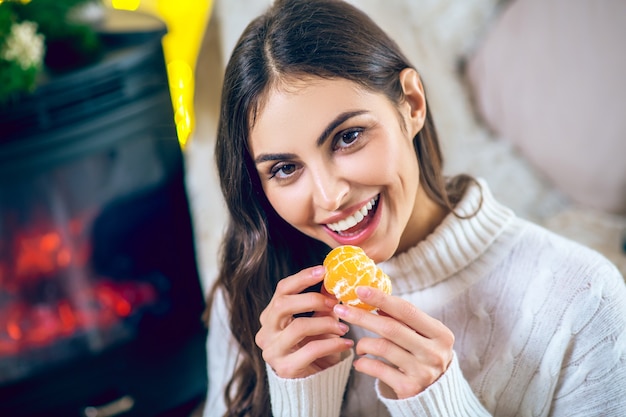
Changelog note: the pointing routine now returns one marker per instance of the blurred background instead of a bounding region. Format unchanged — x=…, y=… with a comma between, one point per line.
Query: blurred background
x=100, y=292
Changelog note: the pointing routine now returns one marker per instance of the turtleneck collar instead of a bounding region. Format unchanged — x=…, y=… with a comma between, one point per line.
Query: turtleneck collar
x=453, y=245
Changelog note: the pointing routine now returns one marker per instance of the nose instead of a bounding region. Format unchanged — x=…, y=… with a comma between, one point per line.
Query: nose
x=329, y=189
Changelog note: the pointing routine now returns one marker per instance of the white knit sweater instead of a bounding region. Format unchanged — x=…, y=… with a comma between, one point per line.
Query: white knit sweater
x=539, y=324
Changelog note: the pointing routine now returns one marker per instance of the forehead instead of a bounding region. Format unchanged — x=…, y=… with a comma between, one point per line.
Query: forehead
x=306, y=105
x=304, y=90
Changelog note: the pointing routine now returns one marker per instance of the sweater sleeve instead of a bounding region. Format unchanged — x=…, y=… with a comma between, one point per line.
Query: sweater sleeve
x=450, y=395
x=592, y=379
x=318, y=395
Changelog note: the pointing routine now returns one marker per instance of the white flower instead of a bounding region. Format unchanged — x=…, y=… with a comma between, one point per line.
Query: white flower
x=24, y=45
x=91, y=12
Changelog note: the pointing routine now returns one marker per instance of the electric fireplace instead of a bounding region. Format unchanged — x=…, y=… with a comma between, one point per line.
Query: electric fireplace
x=100, y=299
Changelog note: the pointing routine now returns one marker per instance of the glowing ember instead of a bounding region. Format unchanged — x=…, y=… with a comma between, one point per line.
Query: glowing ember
x=25, y=326
x=43, y=300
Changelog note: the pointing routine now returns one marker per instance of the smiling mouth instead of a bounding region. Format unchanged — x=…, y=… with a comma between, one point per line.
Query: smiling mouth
x=350, y=223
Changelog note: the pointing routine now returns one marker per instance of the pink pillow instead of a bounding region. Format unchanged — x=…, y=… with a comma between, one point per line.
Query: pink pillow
x=550, y=76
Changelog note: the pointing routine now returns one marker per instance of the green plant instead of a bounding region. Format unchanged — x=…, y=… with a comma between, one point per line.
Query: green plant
x=42, y=34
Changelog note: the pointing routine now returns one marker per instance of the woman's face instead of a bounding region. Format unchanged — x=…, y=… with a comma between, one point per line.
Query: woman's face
x=337, y=163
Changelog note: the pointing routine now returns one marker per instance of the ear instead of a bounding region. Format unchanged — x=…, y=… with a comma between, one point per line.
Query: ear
x=414, y=106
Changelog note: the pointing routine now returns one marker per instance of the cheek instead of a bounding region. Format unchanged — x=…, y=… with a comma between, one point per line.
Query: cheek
x=381, y=165
x=365, y=172
x=289, y=204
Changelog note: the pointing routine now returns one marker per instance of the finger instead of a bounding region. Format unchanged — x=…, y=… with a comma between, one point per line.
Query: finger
x=299, y=282
x=404, y=312
x=299, y=329
x=425, y=355
x=386, y=327
x=405, y=372
x=295, y=364
x=386, y=349
x=402, y=385
x=282, y=308
x=292, y=285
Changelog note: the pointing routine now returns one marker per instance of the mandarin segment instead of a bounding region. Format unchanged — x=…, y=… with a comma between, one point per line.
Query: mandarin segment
x=348, y=267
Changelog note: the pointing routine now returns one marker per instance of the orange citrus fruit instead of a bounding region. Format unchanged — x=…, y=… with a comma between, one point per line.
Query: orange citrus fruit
x=348, y=267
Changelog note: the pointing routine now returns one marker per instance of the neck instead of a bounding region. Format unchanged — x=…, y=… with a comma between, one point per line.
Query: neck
x=427, y=215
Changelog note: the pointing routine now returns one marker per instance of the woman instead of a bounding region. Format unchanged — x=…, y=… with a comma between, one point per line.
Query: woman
x=325, y=138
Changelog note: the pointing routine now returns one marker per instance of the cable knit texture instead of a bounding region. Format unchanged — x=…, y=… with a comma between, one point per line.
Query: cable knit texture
x=539, y=324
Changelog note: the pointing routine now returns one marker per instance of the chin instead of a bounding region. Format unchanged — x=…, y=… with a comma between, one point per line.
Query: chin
x=380, y=252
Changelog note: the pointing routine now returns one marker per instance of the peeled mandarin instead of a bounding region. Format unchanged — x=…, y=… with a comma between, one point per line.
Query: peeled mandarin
x=348, y=267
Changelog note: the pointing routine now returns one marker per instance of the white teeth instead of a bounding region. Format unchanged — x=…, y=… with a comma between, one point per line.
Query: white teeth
x=355, y=219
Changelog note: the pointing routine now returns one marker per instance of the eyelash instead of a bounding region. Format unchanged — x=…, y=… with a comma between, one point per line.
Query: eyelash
x=276, y=169
x=342, y=135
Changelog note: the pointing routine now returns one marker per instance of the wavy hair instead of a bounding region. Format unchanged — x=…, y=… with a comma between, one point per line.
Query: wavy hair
x=293, y=38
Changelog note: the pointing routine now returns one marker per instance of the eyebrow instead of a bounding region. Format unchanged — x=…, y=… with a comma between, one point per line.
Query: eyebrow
x=337, y=121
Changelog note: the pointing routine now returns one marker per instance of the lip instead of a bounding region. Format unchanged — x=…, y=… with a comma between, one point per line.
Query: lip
x=345, y=213
x=362, y=235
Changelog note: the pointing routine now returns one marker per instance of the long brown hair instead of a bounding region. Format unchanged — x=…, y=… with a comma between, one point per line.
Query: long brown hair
x=323, y=38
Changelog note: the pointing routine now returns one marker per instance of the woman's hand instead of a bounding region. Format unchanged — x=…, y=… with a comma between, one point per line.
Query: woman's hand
x=296, y=347
x=413, y=350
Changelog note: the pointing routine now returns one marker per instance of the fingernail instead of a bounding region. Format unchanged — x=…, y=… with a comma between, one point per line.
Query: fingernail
x=341, y=310
x=363, y=292
x=343, y=327
x=318, y=271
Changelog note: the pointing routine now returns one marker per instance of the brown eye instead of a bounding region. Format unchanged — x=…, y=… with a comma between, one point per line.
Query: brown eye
x=347, y=138
x=283, y=170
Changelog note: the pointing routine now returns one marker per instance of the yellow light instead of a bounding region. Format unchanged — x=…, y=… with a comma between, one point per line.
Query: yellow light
x=181, y=72
x=125, y=4
x=186, y=21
